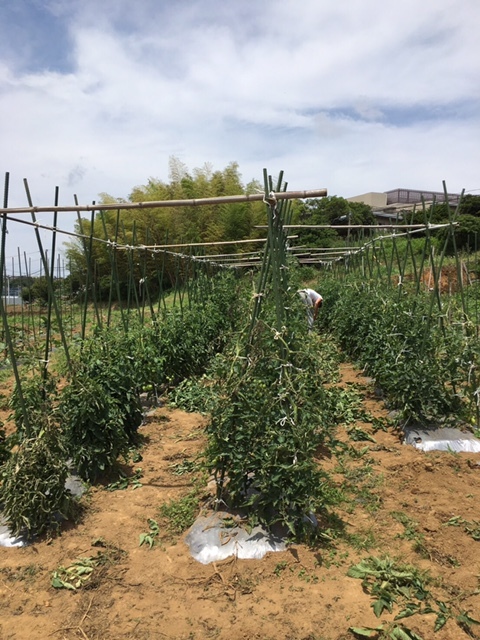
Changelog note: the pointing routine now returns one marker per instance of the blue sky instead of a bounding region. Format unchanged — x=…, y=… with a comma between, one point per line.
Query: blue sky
x=352, y=95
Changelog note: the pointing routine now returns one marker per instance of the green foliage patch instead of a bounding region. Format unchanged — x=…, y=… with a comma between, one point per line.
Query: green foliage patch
x=87, y=571
x=32, y=490
x=180, y=514
x=392, y=584
x=149, y=538
x=270, y=418
x=388, y=336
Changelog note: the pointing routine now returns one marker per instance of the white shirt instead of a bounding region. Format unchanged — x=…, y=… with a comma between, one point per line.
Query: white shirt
x=310, y=296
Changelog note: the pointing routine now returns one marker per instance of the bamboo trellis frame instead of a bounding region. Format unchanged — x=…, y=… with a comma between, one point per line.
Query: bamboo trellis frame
x=328, y=253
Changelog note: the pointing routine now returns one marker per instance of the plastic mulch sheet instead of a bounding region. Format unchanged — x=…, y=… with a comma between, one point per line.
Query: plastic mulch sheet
x=6, y=538
x=220, y=535
x=442, y=439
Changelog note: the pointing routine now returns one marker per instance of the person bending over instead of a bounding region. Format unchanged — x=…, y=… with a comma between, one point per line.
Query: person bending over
x=313, y=301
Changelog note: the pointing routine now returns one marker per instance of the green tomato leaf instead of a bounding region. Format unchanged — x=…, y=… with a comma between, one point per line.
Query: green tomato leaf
x=57, y=583
x=379, y=606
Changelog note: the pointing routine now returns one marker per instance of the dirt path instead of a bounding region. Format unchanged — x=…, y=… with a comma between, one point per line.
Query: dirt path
x=416, y=507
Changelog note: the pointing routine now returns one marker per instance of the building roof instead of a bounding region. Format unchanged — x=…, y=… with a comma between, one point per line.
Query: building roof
x=391, y=202
x=413, y=196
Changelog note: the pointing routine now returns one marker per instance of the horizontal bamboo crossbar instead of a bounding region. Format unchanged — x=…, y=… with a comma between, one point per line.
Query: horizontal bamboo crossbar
x=156, y=204
x=319, y=256
x=243, y=264
x=227, y=255
x=233, y=258
x=160, y=247
x=379, y=227
x=321, y=249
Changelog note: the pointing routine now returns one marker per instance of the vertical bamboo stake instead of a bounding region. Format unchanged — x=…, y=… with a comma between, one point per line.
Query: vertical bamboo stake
x=14, y=303
x=451, y=219
x=112, y=275
x=260, y=290
x=60, y=286
x=21, y=292
x=366, y=254
x=397, y=254
x=30, y=306
x=273, y=232
x=91, y=260
x=49, y=283
x=71, y=299
x=188, y=283
x=375, y=260
x=146, y=277
x=140, y=306
x=422, y=263
x=4, y=231
x=178, y=285
x=117, y=278
x=131, y=277
x=414, y=260
x=411, y=251
x=477, y=271
x=161, y=277
x=87, y=250
x=50, y=299
x=388, y=261
x=436, y=272
x=436, y=285
x=114, y=270
x=6, y=328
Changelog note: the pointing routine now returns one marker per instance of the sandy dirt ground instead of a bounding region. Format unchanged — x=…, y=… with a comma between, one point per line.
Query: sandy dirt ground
x=418, y=508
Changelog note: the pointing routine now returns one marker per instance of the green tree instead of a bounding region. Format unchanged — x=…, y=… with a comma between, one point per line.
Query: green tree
x=470, y=205
x=159, y=226
x=332, y=210
x=467, y=234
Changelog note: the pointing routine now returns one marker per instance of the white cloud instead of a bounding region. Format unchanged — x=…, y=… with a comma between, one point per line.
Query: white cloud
x=353, y=95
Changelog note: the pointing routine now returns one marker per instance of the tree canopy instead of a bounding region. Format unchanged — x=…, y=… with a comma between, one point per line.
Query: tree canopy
x=133, y=227
x=332, y=210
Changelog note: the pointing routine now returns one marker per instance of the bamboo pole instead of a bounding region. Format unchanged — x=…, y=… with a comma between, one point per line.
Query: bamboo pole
x=31, y=316
x=378, y=227
x=50, y=275
x=316, y=261
x=457, y=258
x=21, y=285
x=321, y=254
x=49, y=284
x=349, y=249
x=241, y=265
x=156, y=204
x=131, y=278
x=8, y=338
x=4, y=232
x=207, y=257
x=147, y=276
x=238, y=258
x=161, y=276
x=160, y=247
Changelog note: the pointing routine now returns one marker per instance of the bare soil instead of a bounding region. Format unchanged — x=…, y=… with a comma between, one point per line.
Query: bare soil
x=448, y=278
x=304, y=593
